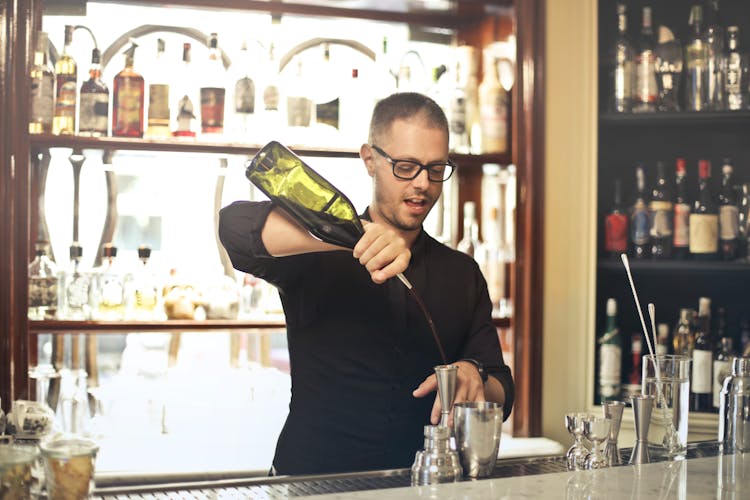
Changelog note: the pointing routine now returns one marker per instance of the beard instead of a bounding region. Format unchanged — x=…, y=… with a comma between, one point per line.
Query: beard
x=389, y=210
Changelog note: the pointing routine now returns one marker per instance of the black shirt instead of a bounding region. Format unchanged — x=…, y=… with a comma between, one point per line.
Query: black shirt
x=358, y=349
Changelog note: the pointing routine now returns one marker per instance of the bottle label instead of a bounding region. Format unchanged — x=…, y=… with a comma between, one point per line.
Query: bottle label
x=158, y=105
x=623, y=78
x=94, y=113
x=66, y=96
x=43, y=292
x=299, y=111
x=639, y=224
x=212, y=108
x=704, y=233
x=271, y=98
x=646, y=77
x=681, y=225
x=722, y=369
x=616, y=233
x=129, y=110
x=458, y=115
x=244, y=96
x=493, y=115
x=661, y=219
x=77, y=292
x=729, y=223
x=42, y=99
x=702, y=364
x=610, y=359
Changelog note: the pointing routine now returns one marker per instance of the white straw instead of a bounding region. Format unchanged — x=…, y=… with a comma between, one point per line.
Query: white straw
x=652, y=315
x=625, y=261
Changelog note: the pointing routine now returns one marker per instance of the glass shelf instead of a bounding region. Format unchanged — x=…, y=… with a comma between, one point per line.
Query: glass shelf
x=740, y=270
x=680, y=118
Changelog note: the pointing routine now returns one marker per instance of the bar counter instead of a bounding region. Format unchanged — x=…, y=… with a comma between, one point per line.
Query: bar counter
x=704, y=473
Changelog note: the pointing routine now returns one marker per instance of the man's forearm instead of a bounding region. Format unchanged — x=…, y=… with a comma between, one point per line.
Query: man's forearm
x=283, y=236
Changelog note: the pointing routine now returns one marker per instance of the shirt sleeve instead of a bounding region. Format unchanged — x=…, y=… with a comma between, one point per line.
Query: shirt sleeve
x=483, y=343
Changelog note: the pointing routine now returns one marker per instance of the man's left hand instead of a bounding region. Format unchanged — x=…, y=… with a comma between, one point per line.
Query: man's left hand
x=469, y=387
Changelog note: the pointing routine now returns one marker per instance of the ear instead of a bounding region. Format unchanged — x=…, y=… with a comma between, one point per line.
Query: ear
x=365, y=152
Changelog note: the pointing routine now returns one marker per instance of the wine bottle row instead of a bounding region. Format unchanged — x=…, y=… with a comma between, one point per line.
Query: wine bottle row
x=664, y=223
x=709, y=344
x=657, y=72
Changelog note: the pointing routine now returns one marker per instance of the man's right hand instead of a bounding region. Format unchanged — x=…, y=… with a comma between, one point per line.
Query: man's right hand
x=382, y=251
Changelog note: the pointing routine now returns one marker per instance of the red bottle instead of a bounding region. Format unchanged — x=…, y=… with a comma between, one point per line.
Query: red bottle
x=616, y=226
x=127, y=103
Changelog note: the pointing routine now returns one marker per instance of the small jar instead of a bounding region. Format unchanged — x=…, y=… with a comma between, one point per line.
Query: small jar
x=15, y=470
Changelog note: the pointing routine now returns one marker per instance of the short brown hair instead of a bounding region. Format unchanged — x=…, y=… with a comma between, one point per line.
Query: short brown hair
x=404, y=106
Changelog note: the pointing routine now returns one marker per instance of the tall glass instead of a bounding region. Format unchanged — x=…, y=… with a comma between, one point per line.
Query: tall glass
x=667, y=378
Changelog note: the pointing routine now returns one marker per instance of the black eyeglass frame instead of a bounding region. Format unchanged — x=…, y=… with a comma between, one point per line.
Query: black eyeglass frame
x=428, y=167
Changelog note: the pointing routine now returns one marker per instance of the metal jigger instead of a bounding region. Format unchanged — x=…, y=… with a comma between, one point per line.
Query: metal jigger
x=613, y=411
x=642, y=407
x=439, y=461
x=446, y=380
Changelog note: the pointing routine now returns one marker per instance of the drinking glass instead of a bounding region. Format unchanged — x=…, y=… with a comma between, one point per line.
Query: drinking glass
x=596, y=430
x=576, y=455
x=667, y=378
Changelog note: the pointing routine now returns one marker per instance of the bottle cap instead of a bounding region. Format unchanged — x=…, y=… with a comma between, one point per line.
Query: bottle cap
x=76, y=251
x=42, y=42
x=663, y=330
x=96, y=56
x=144, y=252
x=704, y=306
x=109, y=250
x=41, y=247
x=469, y=209
x=611, y=307
x=704, y=169
x=491, y=168
x=680, y=166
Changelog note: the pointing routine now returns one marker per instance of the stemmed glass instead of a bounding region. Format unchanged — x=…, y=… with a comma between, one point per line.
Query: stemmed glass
x=596, y=430
x=576, y=454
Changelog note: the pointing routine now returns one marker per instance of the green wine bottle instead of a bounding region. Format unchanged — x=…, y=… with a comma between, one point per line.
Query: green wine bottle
x=308, y=197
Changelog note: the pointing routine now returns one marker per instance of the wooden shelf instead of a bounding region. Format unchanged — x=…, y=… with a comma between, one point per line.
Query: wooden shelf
x=655, y=267
x=173, y=325
x=680, y=118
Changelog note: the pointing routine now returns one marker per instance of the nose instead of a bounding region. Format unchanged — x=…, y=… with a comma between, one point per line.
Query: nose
x=422, y=180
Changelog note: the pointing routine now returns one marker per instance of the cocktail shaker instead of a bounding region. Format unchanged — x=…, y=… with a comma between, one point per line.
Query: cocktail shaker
x=734, y=408
x=438, y=462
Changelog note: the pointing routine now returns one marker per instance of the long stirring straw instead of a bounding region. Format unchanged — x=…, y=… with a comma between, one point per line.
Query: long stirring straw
x=626, y=263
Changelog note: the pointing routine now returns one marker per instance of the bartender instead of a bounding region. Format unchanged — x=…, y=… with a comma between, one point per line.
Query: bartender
x=361, y=351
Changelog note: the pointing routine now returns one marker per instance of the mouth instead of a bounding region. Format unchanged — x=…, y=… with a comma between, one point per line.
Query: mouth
x=416, y=205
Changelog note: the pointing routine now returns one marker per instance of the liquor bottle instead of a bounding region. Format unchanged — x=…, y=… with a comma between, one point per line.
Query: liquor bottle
x=457, y=110
x=729, y=223
x=704, y=218
x=616, y=226
x=744, y=335
x=299, y=106
x=683, y=337
x=681, y=226
x=662, y=339
x=76, y=287
x=43, y=284
x=66, y=72
x=158, y=95
x=639, y=220
x=110, y=294
x=696, y=63
x=186, y=97
x=493, y=108
x=701, y=384
x=127, y=99
x=94, y=101
x=610, y=356
x=145, y=287
x=622, y=76
x=715, y=64
x=42, y=94
x=213, y=90
x=244, y=94
x=470, y=244
x=469, y=61
x=722, y=360
x=660, y=216
x=636, y=350
x=737, y=72
x=646, y=91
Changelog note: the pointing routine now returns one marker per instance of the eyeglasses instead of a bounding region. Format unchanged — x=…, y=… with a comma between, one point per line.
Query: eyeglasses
x=439, y=171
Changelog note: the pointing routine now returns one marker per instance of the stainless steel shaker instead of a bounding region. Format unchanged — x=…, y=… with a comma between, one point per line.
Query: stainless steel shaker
x=734, y=408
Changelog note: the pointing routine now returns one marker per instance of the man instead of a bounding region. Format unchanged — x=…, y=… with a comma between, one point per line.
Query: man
x=361, y=352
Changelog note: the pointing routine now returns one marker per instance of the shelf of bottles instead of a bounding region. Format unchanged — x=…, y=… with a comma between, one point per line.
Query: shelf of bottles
x=673, y=191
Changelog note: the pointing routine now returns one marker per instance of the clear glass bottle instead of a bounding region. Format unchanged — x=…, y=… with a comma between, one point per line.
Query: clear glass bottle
x=680, y=228
x=76, y=287
x=145, y=288
x=737, y=69
x=244, y=94
x=42, y=95
x=43, y=284
x=186, y=96
x=610, y=356
x=701, y=383
x=111, y=281
x=639, y=220
x=66, y=72
x=683, y=339
x=213, y=90
x=128, y=99
x=94, y=101
x=660, y=215
x=729, y=223
x=704, y=218
x=457, y=110
x=622, y=72
x=696, y=63
x=493, y=108
x=646, y=90
x=715, y=59
x=158, y=95
x=470, y=243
